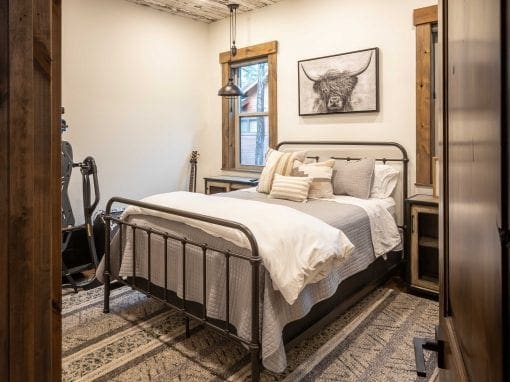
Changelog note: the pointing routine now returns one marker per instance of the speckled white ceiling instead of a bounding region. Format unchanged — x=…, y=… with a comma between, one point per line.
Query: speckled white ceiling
x=206, y=11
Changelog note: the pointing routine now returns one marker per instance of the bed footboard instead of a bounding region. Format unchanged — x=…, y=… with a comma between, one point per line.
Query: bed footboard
x=254, y=344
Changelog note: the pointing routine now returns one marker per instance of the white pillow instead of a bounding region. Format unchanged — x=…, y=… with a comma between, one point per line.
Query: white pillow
x=385, y=181
x=293, y=188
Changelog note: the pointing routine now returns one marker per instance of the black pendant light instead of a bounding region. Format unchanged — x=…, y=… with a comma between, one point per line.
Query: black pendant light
x=231, y=89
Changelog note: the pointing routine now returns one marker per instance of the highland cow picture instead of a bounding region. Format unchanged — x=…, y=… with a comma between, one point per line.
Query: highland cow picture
x=342, y=83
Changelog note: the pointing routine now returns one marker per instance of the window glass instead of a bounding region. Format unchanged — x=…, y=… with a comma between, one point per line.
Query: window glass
x=253, y=81
x=252, y=121
x=253, y=140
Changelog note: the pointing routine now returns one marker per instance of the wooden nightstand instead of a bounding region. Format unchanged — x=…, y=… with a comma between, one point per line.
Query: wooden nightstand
x=215, y=184
x=422, y=217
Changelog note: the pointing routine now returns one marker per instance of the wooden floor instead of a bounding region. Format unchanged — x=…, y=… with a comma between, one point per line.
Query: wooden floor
x=397, y=283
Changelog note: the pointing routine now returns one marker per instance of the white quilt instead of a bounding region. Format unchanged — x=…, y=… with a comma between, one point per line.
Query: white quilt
x=385, y=234
x=297, y=249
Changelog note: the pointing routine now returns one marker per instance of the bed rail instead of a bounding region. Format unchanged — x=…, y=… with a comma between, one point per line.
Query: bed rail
x=254, y=344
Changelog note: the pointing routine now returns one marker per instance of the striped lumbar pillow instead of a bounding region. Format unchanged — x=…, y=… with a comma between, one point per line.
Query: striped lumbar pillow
x=293, y=188
x=321, y=173
x=277, y=162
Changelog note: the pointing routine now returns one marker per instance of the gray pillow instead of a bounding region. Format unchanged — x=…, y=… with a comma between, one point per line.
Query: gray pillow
x=354, y=178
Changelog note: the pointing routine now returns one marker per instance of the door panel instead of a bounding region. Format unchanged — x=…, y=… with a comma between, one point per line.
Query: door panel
x=30, y=190
x=472, y=267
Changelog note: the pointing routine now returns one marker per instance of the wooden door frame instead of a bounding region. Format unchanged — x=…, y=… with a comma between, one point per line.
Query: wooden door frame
x=456, y=371
x=505, y=174
x=30, y=227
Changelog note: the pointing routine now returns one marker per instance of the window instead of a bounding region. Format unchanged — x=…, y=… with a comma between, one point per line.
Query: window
x=249, y=123
x=251, y=114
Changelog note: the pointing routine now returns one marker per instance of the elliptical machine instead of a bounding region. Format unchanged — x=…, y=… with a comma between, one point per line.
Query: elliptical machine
x=88, y=170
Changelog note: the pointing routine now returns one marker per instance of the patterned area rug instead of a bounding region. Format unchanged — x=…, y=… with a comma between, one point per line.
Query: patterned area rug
x=141, y=340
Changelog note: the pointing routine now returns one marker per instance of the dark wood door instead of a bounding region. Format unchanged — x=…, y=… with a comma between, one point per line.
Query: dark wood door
x=472, y=267
x=30, y=227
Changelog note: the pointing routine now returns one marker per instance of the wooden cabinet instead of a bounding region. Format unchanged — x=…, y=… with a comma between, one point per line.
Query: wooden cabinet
x=216, y=184
x=423, y=242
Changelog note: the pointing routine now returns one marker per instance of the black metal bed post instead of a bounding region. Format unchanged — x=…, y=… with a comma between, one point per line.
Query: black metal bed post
x=404, y=197
x=106, y=273
x=255, y=324
x=255, y=343
x=186, y=318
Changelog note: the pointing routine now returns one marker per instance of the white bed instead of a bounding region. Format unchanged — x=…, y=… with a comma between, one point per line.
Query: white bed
x=370, y=217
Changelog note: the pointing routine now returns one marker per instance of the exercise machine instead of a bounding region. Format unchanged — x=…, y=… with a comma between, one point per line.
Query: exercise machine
x=71, y=231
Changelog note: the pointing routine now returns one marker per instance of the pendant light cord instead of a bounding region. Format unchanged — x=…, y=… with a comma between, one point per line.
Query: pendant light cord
x=231, y=24
x=233, y=49
x=231, y=90
x=234, y=28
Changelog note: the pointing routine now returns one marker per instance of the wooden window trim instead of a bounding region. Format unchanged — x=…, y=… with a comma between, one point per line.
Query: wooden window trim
x=423, y=19
x=426, y=15
x=250, y=52
x=268, y=50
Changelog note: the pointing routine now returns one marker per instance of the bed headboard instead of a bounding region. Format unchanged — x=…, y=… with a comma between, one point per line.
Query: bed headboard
x=390, y=153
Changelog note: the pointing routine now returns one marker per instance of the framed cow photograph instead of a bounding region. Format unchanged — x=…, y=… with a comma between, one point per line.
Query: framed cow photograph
x=342, y=83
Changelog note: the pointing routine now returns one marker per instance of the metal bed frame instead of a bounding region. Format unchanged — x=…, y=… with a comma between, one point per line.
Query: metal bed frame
x=254, y=344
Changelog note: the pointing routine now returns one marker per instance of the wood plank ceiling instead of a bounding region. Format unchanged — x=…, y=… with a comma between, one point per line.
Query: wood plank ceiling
x=206, y=11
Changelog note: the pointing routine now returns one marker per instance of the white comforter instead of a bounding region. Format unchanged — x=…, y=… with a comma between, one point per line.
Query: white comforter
x=385, y=234
x=384, y=231
x=297, y=249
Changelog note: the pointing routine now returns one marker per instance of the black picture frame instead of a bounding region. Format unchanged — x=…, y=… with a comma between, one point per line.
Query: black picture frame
x=331, y=91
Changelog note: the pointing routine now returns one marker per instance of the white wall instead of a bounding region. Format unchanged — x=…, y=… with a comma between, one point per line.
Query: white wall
x=132, y=87
x=311, y=28
x=139, y=85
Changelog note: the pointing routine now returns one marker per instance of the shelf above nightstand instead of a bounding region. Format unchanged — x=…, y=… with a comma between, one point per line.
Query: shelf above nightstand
x=431, y=242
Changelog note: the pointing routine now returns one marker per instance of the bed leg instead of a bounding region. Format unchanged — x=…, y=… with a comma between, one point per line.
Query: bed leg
x=255, y=366
x=106, y=303
x=107, y=265
x=186, y=321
